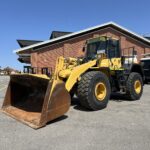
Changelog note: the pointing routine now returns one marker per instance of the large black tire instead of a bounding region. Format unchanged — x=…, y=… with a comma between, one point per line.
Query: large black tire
x=86, y=90
x=131, y=93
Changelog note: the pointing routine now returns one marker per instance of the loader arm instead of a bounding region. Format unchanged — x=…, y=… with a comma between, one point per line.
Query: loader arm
x=76, y=74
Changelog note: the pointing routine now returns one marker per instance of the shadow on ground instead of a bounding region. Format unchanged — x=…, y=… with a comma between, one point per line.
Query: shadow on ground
x=58, y=119
x=76, y=105
x=118, y=97
x=114, y=97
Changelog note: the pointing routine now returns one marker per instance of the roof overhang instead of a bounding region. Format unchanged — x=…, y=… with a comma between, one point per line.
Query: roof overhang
x=88, y=30
x=24, y=55
x=24, y=43
x=24, y=58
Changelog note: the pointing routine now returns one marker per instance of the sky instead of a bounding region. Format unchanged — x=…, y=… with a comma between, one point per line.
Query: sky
x=36, y=19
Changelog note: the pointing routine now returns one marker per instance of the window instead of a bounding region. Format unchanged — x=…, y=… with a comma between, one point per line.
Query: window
x=113, y=50
x=134, y=52
x=95, y=47
x=146, y=64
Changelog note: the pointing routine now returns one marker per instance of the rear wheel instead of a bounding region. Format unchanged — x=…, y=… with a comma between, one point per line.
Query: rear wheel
x=134, y=86
x=94, y=90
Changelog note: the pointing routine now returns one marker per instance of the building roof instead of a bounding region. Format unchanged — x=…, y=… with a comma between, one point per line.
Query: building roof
x=56, y=34
x=85, y=31
x=147, y=38
x=24, y=43
x=24, y=58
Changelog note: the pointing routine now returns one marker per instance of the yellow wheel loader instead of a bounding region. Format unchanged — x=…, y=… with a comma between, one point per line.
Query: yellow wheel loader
x=37, y=99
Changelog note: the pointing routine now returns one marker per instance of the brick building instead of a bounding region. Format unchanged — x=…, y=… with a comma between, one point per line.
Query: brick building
x=44, y=54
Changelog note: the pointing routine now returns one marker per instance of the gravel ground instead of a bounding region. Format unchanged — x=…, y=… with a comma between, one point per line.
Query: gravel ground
x=123, y=125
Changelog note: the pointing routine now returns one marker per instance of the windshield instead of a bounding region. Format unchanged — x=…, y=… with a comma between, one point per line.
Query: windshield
x=95, y=47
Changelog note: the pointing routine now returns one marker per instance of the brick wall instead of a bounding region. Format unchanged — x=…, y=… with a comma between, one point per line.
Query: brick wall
x=147, y=50
x=74, y=48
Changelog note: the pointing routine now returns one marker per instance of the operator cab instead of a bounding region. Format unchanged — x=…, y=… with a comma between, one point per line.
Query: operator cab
x=105, y=45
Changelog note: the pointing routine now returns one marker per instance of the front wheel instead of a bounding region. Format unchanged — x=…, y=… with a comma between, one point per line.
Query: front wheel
x=94, y=90
x=134, y=86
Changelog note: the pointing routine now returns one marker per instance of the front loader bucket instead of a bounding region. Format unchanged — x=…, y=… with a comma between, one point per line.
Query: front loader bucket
x=32, y=100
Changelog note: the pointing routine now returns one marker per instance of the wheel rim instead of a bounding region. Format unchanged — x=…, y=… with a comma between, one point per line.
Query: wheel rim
x=100, y=91
x=137, y=86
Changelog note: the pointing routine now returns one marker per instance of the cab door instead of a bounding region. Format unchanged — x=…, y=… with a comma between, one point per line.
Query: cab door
x=113, y=50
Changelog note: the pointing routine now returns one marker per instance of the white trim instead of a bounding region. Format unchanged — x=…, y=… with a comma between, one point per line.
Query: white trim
x=79, y=32
x=147, y=54
x=148, y=58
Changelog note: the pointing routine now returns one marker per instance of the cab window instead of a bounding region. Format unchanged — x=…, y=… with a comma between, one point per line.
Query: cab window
x=95, y=47
x=113, y=49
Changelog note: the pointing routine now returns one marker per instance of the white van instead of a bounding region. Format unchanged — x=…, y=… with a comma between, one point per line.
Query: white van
x=146, y=67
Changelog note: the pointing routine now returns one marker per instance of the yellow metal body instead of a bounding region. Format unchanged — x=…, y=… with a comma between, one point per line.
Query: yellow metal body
x=73, y=72
x=112, y=64
x=77, y=72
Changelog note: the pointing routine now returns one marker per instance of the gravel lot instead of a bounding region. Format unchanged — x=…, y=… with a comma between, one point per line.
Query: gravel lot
x=123, y=125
